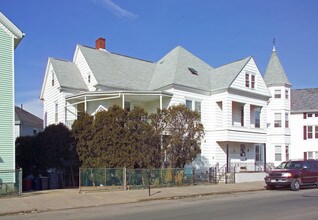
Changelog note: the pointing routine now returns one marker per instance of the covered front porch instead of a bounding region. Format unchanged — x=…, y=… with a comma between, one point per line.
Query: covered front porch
x=93, y=102
x=244, y=157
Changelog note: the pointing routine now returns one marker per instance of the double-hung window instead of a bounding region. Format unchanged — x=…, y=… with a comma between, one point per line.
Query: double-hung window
x=257, y=117
x=56, y=112
x=286, y=120
x=252, y=81
x=278, y=153
x=247, y=80
x=310, y=132
x=53, y=77
x=286, y=94
x=189, y=104
x=278, y=94
x=197, y=106
x=278, y=120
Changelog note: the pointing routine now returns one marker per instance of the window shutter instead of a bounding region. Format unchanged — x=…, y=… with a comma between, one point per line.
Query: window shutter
x=305, y=133
x=305, y=155
x=305, y=115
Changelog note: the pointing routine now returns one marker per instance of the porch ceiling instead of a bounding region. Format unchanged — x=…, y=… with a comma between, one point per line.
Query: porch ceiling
x=131, y=96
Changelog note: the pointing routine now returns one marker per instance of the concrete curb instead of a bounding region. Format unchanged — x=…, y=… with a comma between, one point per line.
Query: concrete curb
x=200, y=195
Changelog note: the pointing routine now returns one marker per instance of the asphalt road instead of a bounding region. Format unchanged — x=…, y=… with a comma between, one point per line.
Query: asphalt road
x=276, y=204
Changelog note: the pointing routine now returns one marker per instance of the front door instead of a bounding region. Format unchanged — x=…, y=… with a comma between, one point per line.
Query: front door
x=243, y=152
x=258, y=153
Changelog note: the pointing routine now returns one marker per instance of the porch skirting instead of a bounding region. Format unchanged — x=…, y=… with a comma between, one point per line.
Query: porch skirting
x=242, y=177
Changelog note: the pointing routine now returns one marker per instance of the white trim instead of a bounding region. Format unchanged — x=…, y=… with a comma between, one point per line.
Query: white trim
x=100, y=108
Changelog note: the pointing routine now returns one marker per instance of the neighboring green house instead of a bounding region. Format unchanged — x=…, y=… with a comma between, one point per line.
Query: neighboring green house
x=10, y=37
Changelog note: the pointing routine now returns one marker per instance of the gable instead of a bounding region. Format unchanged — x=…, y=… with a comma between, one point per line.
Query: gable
x=47, y=85
x=250, y=70
x=85, y=71
x=99, y=109
x=223, y=76
x=117, y=71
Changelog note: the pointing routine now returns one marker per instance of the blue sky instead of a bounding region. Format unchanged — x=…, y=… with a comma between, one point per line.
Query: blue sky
x=217, y=31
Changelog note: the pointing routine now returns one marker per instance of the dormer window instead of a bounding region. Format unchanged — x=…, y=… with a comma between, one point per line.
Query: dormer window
x=193, y=71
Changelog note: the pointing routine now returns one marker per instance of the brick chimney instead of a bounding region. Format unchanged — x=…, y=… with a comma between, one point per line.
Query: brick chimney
x=101, y=43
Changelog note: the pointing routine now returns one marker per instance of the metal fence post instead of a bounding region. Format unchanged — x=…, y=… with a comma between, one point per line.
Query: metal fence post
x=20, y=182
x=79, y=180
x=149, y=175
x=105, y=184
x=193, y=175
x=125, y=178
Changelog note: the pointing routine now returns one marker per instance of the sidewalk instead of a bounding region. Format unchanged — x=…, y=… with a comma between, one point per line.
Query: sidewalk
x=53, y=200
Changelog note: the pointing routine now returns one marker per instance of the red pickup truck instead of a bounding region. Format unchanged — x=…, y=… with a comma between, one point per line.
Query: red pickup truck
x=294, y=174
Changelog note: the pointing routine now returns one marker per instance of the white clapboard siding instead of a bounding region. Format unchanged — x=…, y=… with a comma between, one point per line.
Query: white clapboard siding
x=51, y=96
x=7, y=149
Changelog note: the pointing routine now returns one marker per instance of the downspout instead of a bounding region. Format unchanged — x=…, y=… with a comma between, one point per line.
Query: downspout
x=227, y=157
x=264, y=157
x=227, y=161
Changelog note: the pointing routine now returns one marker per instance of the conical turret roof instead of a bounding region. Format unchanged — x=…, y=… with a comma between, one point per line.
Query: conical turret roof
x=275, y=74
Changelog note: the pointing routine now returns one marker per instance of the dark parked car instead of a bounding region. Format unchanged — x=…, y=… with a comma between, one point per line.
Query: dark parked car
x=294, y=174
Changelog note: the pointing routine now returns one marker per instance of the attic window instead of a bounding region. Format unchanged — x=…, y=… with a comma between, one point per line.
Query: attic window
x=52, y=78
x=193, y=71
x=89, y=78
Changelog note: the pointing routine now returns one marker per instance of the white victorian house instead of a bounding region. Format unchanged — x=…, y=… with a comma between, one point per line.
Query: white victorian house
x=239, y=109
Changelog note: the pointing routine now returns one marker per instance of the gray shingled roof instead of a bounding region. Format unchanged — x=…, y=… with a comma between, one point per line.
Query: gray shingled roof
x=26, y=118
x=173, y=68
x=68, y=74
x=304, y=100
x=275, y=74
x=178, y=67
x=118, y=71
x=222, y=77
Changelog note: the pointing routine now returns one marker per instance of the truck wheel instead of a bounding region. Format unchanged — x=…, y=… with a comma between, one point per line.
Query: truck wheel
x=295, y=185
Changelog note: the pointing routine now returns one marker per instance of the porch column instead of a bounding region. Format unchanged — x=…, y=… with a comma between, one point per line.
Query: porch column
x=227, y=157
x=85, y=105
x=265, y=157
x=123, y=104
x=247, y=115
x=160, y=102
x=227, y=113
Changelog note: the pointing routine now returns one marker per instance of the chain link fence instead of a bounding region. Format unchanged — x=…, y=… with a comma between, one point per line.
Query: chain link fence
x=122, y=178
x=11, y=182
